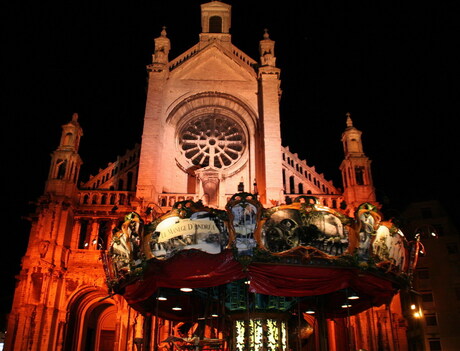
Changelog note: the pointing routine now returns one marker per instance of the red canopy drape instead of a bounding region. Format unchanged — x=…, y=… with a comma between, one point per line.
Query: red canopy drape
x=197, y=269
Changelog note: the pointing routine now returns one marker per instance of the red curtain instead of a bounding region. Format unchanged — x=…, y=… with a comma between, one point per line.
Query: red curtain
x=197, y=269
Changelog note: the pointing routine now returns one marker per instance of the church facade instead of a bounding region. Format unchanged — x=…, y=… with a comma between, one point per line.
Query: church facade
x=211, y=129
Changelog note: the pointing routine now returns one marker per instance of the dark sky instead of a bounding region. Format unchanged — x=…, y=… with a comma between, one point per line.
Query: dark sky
x=393, y=65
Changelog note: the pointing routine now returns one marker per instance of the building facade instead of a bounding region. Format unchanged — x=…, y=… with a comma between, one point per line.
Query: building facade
x=436, y=294
x=211, y=128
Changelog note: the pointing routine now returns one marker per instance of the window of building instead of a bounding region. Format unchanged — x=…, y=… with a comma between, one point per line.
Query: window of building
x=435, y=344
x=129, y=181
x=121, y=199
x=359, y=175
x=284, y=180
x=300, y=188
x=427, y=297
x=431, y=320
x=291, y=185
x=84, y=227
x=215, y=24
x=452, y=248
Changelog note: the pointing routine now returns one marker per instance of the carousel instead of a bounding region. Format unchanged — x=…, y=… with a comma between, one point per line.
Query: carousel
x=252, y=278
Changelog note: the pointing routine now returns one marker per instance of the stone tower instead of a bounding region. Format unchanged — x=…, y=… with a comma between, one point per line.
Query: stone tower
x=356, y=168
x=65, y=161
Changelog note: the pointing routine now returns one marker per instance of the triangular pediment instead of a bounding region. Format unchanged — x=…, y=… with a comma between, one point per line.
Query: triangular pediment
x=214, y=63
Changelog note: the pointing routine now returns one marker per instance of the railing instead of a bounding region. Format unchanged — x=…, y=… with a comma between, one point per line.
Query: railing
x=166, y=201
x=184, y=57
x=105, y=197
x=328, y=200
x=245, y=58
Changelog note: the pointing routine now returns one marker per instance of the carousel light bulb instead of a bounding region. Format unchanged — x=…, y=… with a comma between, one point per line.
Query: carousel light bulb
x=412, y=307
x=186, y=289
x=162, y=298
x=417, y=314
x=214, y=315
x=353, y=296
x=310, y=311
x=177, y=308
x=346, y=305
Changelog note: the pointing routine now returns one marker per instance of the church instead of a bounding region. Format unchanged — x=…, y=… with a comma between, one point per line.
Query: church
x=211, y=130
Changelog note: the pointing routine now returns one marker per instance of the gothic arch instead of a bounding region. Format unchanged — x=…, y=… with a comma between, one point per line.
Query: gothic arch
x=91, y=321
x=210, y=100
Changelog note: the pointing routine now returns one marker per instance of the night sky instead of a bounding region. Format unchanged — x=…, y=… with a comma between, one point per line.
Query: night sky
x=393, y=66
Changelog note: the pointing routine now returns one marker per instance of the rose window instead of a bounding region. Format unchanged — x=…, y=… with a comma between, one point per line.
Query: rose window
x=212, y=140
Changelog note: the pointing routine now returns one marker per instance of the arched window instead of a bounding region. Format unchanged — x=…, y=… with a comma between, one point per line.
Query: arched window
x=284, y=180
x=215, y=24
x=68, y=139
x=121, y=199
x=129, y=181
x=359, y=173
x=300, y=188
x=120, y=184
x=291, y=185
x=62, y=165
x=82, y=239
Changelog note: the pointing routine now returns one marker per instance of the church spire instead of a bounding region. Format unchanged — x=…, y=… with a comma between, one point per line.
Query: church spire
x=65, y=160
x=356, y=168
x=267, y=51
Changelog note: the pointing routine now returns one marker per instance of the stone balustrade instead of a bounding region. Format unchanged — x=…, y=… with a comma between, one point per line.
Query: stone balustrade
x=105, y=197
x=329, y=200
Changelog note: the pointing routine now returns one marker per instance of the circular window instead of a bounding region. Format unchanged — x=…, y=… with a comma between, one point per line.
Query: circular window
x=212, y=140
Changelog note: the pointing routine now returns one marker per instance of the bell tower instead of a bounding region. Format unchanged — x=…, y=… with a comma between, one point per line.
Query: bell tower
x=215, y=23
x=65, y=161
x=356, y=168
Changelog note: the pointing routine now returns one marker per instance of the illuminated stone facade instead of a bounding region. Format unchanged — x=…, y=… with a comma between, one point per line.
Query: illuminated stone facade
x=212, y=126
